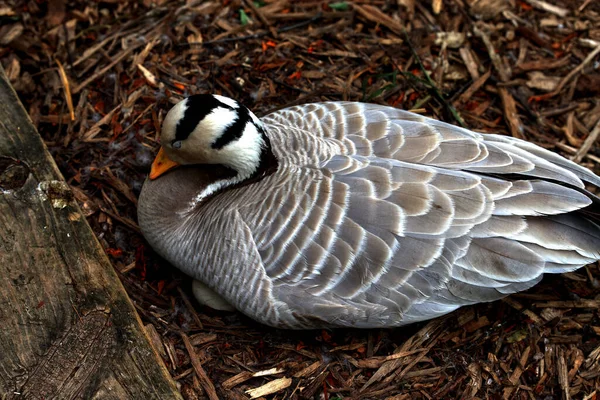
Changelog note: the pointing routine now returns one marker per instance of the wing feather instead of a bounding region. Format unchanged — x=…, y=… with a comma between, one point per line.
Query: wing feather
x=383, y=217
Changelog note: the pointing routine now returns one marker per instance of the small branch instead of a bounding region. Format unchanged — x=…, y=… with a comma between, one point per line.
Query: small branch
x=587, y=144
x=205, y=381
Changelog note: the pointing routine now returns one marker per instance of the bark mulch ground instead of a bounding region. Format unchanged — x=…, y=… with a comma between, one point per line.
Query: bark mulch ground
x=98, y=77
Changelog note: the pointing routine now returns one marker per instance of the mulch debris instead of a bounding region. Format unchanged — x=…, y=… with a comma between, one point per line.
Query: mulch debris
x=98, y=77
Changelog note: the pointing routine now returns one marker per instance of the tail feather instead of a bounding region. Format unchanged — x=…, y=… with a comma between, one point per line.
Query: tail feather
x=566, y=232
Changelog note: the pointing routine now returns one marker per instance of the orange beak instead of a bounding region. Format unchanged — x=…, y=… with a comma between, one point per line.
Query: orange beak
x=161, y=164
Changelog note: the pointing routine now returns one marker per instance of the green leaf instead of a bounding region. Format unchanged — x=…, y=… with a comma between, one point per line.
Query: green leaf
x=339, y=6
x=244, y=19
x=259, y=4
x=517, y=336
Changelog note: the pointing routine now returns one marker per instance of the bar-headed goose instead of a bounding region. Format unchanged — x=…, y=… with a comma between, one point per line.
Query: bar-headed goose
x=358, y=215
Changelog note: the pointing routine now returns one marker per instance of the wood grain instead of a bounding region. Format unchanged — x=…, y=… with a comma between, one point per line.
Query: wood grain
x=67, y=328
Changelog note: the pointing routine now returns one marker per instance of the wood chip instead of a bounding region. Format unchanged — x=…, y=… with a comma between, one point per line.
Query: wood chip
x=155, y=339
x=205, y=381
x=149, y=76
x=353, y=346
x=269, y=388
x=308, y=371
x=476, y=379
x=13, y=70
x=236, y=380
x=313, y=74
x=518, y=371
x=203, y=338
x=452, y=40
x=475, y=86
x=537, y=80
x=551, y=8
x=336, y=53
x=472, y=66
x=97, y=127
x=472, y=326
x=563, y=377
x=10, y=33
x=591, y=396
x=577, y=363
x=488, y=9
x=6, y=11
x=225, y=59
x=510, y=113
x=543, y=64
x=376, y=362
x=373, y=14
x=570, y=304
x=422, y=372
x=267, y=372
x=417, y=340
x=67, y=89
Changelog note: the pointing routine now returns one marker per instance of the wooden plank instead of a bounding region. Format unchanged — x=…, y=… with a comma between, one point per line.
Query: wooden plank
x=67, y=328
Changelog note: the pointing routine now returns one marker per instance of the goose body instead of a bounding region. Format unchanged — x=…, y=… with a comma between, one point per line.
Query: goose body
x=347, y=214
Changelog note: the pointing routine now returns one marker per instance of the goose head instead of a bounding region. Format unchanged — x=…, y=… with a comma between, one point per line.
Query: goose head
x=212, y=129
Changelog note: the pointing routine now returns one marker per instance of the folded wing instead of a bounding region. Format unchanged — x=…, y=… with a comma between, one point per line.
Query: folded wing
x=383, y=217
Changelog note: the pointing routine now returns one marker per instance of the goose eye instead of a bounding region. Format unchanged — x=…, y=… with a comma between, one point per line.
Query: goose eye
x=176, y=144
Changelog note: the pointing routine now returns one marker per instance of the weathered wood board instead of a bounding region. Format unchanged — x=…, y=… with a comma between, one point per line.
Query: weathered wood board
x=67, y=328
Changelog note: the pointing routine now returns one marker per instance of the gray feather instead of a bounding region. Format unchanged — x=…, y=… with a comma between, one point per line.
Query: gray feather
x=375, y=217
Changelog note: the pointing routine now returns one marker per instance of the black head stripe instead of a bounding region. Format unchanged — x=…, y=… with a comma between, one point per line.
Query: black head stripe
x=235, y=130
x=198, y=107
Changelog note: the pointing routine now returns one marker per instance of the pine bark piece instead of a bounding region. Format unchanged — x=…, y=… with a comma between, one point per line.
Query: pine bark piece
x=68, y=328
x=205, y=381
